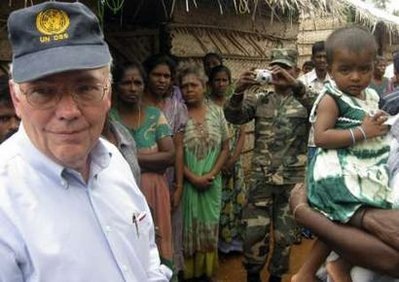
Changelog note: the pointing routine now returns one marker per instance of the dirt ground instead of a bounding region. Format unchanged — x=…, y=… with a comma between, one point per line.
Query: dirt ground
x=231, y=269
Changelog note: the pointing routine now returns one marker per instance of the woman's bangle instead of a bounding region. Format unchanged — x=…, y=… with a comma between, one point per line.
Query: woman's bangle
x=362, y=131
x=362, y=217
x=352, y=135
x=297, y=208
x=358, y=218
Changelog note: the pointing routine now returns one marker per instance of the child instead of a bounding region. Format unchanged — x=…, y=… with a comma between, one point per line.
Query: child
x=349, y=169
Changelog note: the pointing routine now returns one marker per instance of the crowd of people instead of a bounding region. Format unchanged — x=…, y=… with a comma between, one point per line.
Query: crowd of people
x=129, y=171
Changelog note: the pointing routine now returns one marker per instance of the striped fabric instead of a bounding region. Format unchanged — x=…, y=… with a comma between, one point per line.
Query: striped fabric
x=341, y=180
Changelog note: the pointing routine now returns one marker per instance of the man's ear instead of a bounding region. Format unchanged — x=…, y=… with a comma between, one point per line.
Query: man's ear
x=108, y=97
x=15, y=97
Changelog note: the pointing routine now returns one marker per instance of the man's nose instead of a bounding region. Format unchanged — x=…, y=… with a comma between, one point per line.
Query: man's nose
x=67, y=107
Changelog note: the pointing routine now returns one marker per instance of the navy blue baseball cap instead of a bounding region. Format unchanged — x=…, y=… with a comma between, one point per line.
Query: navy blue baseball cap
x=55, y=37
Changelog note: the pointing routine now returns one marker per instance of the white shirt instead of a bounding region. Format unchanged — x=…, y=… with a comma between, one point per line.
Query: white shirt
x=311, y=80
x=55, y=227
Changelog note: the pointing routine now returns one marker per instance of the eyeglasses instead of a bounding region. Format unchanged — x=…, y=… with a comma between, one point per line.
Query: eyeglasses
x=47, y=96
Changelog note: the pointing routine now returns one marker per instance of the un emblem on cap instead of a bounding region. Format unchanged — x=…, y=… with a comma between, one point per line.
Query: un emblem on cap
x=52, y=21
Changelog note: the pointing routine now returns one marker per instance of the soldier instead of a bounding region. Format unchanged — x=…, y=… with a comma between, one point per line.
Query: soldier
x=279, y=160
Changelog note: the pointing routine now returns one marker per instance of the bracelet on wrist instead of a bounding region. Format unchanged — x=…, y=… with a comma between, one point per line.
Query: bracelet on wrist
x=352, y=136
x=302, y=205
x=362, y=217
x=357, y=220
x=362, y=131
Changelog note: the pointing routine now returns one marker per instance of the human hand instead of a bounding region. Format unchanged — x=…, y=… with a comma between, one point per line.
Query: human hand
x=203, y=182
x=282, y=77
x=245, y=80
x=228, y=167
x=374, y=126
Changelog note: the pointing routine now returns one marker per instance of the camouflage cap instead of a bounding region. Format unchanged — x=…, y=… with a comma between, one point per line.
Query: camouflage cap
x=284, y=56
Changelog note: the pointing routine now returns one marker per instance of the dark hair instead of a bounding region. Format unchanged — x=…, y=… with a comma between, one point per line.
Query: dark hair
x=396, y=62
x=354, y=39
x=218, y=69
x=308, y=64
x=210, y=55
x=119, y=70
x=5, y=96
x=159, y=59
x=318, y=47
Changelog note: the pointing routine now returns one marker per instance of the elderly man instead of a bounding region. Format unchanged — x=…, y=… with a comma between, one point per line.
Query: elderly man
x=69, y=206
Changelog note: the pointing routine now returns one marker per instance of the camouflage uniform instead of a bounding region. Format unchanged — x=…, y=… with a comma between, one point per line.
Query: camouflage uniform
x=278, y=163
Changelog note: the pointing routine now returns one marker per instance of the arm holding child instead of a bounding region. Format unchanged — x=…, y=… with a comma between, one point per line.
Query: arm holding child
x=357, y=246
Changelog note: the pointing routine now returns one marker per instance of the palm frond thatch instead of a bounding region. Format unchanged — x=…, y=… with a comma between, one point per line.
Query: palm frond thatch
x=368, y=15
x=283, y=6
x=363, y=12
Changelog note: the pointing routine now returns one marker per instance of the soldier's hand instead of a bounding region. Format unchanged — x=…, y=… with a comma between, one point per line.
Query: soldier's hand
x=245, y=80
x=279, y=72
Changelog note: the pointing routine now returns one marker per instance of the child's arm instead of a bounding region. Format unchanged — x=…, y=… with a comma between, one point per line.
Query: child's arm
x=326, y=136
x=314, y=261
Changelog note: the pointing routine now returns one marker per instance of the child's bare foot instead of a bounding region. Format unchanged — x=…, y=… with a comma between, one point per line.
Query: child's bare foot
x=301, y=277
x=339, y=271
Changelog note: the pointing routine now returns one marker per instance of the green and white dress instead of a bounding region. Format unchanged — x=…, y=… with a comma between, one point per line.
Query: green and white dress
x=341, y=180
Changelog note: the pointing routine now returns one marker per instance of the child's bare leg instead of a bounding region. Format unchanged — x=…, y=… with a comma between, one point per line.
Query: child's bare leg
x=339, y=270
x=315, y=260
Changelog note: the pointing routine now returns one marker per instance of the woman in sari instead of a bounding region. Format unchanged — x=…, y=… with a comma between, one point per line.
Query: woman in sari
x=205, y=150
x=161, y=93
x=234, y=190
x=155, y=150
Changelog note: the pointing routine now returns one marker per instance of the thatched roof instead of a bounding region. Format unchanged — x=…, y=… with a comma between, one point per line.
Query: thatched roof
x=369, y=15
x=254, y=7
x=364, y=13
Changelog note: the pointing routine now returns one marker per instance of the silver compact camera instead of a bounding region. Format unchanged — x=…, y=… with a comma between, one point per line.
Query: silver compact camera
x=263, y=76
